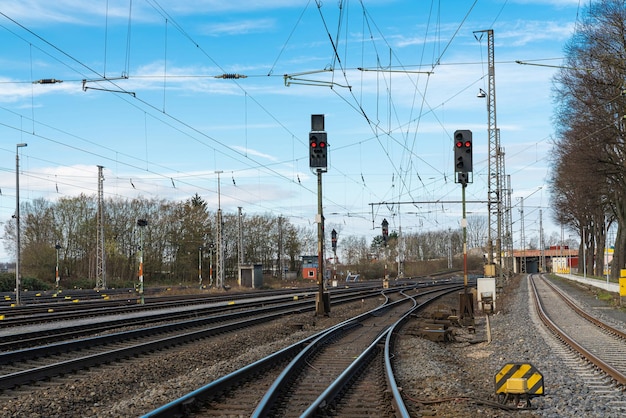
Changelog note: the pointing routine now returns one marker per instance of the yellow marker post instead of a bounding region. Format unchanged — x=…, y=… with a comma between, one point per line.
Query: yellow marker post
x=622, y=286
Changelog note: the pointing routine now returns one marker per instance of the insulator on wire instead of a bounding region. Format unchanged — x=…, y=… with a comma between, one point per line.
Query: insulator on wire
x=231, y=76
x=47, y=81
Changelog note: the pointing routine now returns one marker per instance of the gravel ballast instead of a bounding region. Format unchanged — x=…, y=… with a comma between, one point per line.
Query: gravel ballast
x=452, y=379
x=438, y=379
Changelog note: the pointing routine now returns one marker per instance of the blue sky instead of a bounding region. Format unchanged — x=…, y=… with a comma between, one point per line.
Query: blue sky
x=154, y=115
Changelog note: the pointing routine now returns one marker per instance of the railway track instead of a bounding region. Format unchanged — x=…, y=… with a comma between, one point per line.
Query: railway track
x=29, y=365
x=344, y=371
x=597, y=342
x=75, y=308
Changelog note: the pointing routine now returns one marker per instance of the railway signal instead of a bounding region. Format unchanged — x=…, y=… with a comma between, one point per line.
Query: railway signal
x=318, y=160
x=462, y=155
x=462, y=169
x=318, y=150
x=385, y=226
x=318, y=144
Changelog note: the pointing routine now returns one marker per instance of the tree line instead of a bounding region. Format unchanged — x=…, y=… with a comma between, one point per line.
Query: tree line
x=179, y=238
x=588, y=181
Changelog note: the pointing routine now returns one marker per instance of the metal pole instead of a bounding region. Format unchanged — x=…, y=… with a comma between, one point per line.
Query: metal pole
x=219, y=277
x=320, y=308
x=200, y=266
x=584, y=255
x=17, y=223
x=464, y=225
x=606, y=253
x=466, y=301
x=211, y=250
x=141, y=265
x=141, y=223
x=57, y=278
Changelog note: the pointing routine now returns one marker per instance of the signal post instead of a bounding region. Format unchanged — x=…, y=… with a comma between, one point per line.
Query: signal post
x=463, y=171
x=318, y=162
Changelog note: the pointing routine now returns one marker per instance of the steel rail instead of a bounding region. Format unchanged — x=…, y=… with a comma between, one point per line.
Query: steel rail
x=260, y=308
x=24, y=339
x=342, y=381
x=329, y=396
x=592, y=358
x=194, y=400
x=571, y=303
x=61, y=368
x=183, y=405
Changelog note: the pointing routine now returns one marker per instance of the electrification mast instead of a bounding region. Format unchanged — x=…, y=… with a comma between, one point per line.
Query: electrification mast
x=219, y=276
x=101, y=282
x=495, y=158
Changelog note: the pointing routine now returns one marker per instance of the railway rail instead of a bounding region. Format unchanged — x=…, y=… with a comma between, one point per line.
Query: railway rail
x=76, y=307
x=328, y=373
x=596, y=341
x=28, y=365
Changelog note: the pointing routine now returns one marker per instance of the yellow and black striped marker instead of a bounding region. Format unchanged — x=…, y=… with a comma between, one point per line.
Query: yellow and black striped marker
x=523, y=377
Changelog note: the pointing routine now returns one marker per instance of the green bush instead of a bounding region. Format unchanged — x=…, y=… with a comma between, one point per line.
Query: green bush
x=7, y=283
x=31, y=283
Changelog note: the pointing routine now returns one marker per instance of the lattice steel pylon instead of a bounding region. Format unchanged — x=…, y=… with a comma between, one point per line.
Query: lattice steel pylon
x=508, y=229
x=101, y=282
x=522, y=268
x=496, y=156
x=219, y=274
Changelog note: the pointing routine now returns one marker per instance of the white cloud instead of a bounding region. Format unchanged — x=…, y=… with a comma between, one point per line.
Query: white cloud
x=239, y=27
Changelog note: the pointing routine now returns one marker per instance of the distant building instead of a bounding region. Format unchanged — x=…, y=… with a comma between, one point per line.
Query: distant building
x=558, y=259
x=7, y=267
x=309, y=267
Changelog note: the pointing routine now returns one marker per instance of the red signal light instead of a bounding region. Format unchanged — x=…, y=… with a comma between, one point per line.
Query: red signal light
x=468, y=144
x=459, y=144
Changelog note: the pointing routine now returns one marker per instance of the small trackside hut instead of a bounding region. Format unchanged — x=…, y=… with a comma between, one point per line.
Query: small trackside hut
x=309, y=267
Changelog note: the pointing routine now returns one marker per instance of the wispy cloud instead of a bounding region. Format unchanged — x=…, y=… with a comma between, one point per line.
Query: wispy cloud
x=240, y=27
x=253, y=152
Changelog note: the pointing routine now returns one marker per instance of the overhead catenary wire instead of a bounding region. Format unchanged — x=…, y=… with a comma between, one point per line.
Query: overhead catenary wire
x=384, y=141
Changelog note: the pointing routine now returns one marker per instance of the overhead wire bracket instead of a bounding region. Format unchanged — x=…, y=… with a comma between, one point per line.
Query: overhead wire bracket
x=124, y=77
x=383, y=70
x=295, y=79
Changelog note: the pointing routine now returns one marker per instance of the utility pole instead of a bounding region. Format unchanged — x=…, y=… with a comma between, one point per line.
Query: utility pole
x=141, y=223
x=57, y=278
x=219, y=277
x=200, y=248
x=18, y=248
x=333, y=241
x=508, y=228
x=240, y=233
x=281, y=272
x=101, y=282
x=522, y=236
x=542, y=251
x=400, y=247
